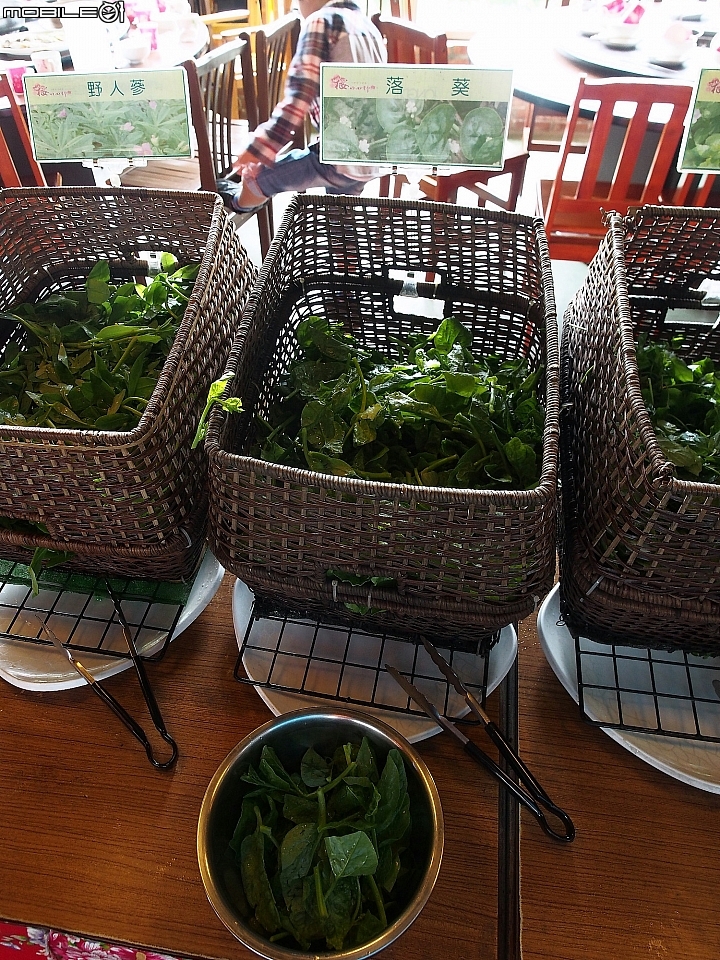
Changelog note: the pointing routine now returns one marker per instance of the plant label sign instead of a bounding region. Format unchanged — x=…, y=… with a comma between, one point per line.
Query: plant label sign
x=120, y=115
x=700, y=150
x=414, y=115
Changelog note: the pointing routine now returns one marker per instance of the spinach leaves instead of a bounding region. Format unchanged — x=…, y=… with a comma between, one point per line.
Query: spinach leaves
x=433, y=415
x=92, y=357
x=321, y=851
x=683, y=401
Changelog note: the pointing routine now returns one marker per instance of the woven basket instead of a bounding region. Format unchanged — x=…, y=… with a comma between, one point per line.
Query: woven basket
x=466, y=562
x=640, y=550
x=137, y=498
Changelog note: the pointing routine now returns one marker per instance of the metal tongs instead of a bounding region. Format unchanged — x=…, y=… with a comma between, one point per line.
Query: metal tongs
x=529, y=793
x=133, y=726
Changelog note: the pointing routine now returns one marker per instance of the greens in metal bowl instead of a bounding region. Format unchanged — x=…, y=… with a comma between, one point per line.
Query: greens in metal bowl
x=321, y=833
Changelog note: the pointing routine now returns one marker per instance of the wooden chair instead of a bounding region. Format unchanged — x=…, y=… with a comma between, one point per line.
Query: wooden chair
x=20, y=139
x=275, y=47
x=626, y=164
x=403, y=9
x=220, y=138
x=257, y=14
x=406, y=44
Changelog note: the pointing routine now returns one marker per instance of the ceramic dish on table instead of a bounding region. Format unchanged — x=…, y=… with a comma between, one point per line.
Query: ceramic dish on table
x=692, y=761
x=21, y=44
x=39, y=667
x=361, y=675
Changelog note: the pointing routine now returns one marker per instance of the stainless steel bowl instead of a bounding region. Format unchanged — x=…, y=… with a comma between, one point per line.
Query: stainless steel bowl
x=290, y=736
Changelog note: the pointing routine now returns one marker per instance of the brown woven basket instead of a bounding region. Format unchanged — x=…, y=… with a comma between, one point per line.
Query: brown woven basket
x=640, y=550
x=466, y=562
x=134, y=498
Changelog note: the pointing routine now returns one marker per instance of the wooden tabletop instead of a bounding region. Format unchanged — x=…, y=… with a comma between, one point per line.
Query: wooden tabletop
x=641, y=879
x=94, y=841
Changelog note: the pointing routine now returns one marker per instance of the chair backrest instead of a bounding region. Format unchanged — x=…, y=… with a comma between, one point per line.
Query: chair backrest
x=9, y=176
x=211, y=84
x=274, y=48
x=406, y=44
x=629, y=156
x=404, y=9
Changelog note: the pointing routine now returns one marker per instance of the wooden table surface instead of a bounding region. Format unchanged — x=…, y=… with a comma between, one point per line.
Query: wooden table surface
x=93, y=840
x=641, y=879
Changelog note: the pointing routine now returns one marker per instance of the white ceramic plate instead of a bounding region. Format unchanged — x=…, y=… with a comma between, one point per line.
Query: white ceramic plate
x=672, y=63
x=617, y=43
x=323, y=674
x=33, y=666
x=21, y=44
x=694, y=762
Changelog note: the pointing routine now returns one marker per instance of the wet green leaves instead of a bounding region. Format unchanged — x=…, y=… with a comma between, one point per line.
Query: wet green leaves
x=321, y=852
x=682, y=400
x=432, y=415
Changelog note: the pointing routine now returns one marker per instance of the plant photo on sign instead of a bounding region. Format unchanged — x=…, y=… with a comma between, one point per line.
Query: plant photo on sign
x=703, y=143
x=414, y=131
x=144, y=128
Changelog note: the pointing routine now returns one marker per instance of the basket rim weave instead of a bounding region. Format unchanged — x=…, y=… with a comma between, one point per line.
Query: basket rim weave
x=106, y=439
x=663, y=469
x=546, y=488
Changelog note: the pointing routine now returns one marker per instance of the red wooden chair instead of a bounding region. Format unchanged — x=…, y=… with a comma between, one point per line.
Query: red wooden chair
x=629, y=156
x=406, y=44
x=9, y=176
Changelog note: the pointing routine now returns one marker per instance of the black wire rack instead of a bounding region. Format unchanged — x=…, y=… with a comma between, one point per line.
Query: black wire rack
x=295, y=654
x=79, y=611
x=672, y=694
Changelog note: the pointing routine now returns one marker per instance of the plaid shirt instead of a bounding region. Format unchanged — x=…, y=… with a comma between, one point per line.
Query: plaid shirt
x=337, y=27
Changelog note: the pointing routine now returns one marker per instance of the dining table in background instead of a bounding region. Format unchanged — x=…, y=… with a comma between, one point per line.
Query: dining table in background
x=548, y=53
x=170, y=52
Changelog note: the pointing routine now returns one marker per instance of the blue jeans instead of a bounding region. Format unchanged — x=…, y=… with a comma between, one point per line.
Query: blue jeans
x=301, y=169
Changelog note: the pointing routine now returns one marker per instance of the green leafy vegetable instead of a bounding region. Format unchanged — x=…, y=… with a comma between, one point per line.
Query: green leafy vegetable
x=89, y=359
x=433, y=415
x=231, y=404
x=683, y=402
x=323, y=853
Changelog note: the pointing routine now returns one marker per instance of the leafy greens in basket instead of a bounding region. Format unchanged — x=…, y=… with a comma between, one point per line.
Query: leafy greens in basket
x=90, y=360
x=322, y=851
x=683, y=402
x=433, y=415
x=92, y=357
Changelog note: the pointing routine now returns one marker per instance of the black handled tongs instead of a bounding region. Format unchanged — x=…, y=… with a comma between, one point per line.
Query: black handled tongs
x=120, y=712
x=530, y=794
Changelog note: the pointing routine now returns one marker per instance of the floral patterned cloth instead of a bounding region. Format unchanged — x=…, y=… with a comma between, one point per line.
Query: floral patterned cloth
x=19, y=942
